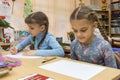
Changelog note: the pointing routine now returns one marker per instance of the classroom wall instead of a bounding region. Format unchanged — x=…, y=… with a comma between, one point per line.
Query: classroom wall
x=58, y=12
x=58, y=15
x=86, y=2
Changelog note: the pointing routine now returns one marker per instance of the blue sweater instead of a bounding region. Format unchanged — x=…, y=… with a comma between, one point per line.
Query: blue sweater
x=98, y=52
x=49, y=47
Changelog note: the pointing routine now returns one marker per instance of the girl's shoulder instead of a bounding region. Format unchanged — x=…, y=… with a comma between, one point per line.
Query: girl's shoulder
x=75, y=42
x=49, y=35
x=102, y=42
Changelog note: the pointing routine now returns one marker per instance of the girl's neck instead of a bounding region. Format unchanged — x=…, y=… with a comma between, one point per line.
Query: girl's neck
x=88, y=42
x=40, y=34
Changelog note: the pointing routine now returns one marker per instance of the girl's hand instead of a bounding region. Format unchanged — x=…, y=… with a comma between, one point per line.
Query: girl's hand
x=13, y=50
x=29, y=53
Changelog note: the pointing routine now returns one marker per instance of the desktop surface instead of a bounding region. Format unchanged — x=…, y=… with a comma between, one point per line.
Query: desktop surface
x=30, y=66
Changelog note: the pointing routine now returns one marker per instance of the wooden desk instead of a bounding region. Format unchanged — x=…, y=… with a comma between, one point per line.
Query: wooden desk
x=30, y=66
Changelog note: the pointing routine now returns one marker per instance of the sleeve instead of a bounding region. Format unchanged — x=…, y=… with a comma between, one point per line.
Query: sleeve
x=98, y=33
x=56, y=49
x=72, y=51
x=109, y=58
x=24, y=43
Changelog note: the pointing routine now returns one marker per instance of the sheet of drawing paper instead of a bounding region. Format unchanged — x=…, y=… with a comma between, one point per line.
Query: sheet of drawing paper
x=73, y=69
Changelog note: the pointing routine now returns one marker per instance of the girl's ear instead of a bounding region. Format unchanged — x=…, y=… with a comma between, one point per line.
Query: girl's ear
x=42, y=27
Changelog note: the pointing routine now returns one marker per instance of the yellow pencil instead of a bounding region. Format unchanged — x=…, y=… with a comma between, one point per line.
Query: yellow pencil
x=48, y=60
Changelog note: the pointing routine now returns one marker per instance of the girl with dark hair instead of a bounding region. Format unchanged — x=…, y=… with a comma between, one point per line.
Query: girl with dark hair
x=88, y=47
x=43, y=43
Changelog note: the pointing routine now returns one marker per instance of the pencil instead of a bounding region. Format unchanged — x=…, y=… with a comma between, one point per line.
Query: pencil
x=48, y=60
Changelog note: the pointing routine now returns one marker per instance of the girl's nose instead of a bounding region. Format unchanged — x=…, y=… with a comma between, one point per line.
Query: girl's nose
x=79, y=34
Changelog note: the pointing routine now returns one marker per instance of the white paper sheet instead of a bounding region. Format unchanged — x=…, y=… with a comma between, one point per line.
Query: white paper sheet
x=19, y=55
x=73, y=69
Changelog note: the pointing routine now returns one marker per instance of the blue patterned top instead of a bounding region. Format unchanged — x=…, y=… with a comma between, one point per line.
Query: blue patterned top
x=98, y=52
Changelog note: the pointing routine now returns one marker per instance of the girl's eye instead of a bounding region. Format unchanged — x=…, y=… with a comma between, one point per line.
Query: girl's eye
x=31, y=28
x=75, y=31
x=84, y=30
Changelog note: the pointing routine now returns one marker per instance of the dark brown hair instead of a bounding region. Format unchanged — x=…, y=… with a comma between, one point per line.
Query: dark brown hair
x=41, y=19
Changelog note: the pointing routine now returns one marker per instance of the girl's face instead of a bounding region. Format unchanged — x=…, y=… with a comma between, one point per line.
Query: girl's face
x=35, y=29
x=83, y=30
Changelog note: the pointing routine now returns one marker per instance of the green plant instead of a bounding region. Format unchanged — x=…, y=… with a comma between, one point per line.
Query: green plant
x=4, y=24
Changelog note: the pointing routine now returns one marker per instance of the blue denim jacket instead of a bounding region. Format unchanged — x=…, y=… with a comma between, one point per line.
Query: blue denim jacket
x=49, y=47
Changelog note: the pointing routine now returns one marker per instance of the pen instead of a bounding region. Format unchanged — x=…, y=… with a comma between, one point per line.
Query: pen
x=48, y=60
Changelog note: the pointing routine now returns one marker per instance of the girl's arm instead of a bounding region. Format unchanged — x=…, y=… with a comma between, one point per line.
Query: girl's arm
x=24, y=43
x=72, y=51
x=109, y=58
x=56, y=49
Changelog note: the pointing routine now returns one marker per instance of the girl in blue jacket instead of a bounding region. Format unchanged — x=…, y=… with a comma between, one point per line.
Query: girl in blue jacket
x=44, y=44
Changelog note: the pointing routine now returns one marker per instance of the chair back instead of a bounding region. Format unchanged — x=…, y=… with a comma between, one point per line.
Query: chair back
x=70, y=36
x=117, y=57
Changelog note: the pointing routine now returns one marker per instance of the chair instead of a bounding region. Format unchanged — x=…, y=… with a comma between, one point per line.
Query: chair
x=117, y=57
x=66, y=50
x=5, y=46
x=70, y=36
x=116, y=43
